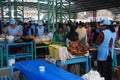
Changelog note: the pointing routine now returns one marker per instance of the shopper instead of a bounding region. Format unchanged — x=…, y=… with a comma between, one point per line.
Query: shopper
x=82, y=34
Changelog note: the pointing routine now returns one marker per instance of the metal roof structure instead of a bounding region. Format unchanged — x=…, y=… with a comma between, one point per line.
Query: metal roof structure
x=85, y=5
x=56, y=10
x=73, y=7
x=91, y=5
x=82, y=5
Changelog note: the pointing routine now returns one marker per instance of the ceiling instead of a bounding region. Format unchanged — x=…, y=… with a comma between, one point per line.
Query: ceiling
x=85, y=5
x=90, y=5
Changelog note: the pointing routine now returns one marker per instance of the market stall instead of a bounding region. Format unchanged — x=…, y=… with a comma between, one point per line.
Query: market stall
x=28, y=53
x=60, y=56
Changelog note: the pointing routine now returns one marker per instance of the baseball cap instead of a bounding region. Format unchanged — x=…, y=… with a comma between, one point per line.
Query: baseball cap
x=105, y=22
x=12, y=21
x=40, y=23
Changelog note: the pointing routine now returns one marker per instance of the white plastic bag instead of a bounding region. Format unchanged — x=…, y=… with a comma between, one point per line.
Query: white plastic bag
x=92, y=75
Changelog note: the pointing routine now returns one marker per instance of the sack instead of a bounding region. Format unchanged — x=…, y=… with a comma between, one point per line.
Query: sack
x=92, y=75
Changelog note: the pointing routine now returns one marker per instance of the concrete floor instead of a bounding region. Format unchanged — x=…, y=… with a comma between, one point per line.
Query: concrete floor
x=74, y=69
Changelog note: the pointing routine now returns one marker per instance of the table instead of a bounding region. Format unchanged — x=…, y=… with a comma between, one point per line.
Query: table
x=30, y=68
x=2, y=45
x=117, y=52
x=9, y=76
x=76, y=60
x=38, y=46
x=1, y=57
x=26, y=54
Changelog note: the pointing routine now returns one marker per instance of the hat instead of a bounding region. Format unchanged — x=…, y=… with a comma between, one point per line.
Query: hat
x=106, y=22
x=40, y=23
x=12, y=21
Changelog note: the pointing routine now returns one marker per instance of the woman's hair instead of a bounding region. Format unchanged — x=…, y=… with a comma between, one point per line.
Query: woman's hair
x=25, y=24
x=60, y=25
x=72, y=28
x=111, y=28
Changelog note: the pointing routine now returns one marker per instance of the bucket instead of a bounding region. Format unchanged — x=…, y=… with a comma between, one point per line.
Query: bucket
x=10, y=39
x=11, y=62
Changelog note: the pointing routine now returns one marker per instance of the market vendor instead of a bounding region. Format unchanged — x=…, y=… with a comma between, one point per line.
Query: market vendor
x=59, y=36
x=72, y=35
x=13, y=30
x=105, y=42
x=74, y=45
x=28, y=34
x=40, y=29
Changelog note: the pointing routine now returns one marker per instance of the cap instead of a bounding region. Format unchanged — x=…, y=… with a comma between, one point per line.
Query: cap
x=12, y=21
x=106, y=22
x=40, y=23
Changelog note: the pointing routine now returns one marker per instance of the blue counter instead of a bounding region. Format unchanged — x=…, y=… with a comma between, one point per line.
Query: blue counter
x=30, y=69
x=28, y=53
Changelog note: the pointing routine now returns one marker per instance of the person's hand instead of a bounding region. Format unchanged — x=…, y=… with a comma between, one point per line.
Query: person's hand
x=5, y=31
x=15, y=34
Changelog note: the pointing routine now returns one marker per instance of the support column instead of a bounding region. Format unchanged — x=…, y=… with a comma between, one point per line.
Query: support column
x=6, y=10
x=69, y=10
x=38, y=7
x=62, y=10
x=1, y=10
x=23, y=10
x=15, y=9
x=94, y=16
x=9, y=10
x=51, y=12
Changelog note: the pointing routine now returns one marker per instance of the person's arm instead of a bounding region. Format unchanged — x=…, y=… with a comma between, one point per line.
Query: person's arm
x=100, y=39
x=86, y=41
x=20, y=33
x=111, y=43
x=5, y=30
x=32, y=33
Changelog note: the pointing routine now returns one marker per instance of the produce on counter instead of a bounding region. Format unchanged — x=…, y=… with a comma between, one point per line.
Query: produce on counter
x=77, y=49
